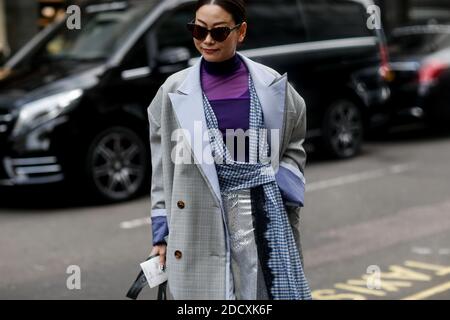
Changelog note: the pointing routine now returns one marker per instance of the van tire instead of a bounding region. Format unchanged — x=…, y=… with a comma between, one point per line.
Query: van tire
x=116, y=164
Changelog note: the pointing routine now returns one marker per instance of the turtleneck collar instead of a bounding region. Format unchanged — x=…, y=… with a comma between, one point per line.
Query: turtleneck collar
x=222, y=67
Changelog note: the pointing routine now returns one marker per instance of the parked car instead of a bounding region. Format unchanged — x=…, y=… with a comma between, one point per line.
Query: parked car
x=73, y=102
x=420, y=60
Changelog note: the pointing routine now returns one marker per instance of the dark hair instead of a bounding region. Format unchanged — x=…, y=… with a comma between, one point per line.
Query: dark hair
x=234, y=7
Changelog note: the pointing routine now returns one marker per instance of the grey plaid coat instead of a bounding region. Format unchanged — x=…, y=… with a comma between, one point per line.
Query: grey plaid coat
x=186, y=191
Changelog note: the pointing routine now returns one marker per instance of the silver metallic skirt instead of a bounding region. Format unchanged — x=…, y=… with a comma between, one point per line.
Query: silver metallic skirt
x=247, y=276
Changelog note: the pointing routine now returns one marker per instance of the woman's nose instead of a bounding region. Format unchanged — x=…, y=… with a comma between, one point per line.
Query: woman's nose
x=209, y=39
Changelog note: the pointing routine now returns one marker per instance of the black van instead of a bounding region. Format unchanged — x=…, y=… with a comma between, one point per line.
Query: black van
x=73, y=102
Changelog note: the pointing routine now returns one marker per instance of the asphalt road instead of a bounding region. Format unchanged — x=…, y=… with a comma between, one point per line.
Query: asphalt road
x=374, y=227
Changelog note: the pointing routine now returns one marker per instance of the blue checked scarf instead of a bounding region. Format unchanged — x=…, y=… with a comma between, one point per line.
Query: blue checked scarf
x=286, y=279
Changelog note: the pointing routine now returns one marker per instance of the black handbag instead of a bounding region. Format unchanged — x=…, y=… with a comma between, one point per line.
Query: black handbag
x=141, y=282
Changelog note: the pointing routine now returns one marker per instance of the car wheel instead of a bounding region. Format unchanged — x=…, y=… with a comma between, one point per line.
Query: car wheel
x=343, y=129
x=116, y=164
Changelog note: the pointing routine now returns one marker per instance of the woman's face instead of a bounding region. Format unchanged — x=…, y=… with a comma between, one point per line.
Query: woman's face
x=211, y=16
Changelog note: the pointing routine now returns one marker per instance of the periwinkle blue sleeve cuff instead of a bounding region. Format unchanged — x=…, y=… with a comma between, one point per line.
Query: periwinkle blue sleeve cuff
x=291, y=182
x=159, y=229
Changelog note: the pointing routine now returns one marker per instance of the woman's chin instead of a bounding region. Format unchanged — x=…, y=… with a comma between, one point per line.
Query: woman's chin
x=210, y=58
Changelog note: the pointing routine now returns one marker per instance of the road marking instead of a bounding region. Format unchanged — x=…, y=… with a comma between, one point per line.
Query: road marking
x=397, y=279
x=421, y=250
x=401, y=273
x=427, y=251
x=439, y=270
x=357, y=177
x=136, y=223
x=387, y=285
x=352, y=288
x=429, y=292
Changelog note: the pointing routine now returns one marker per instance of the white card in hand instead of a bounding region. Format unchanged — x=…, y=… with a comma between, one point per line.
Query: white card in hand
x=154, y=275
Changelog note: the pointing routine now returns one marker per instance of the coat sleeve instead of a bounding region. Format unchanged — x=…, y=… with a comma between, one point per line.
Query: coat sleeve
x=290, y=175
x=158, y=207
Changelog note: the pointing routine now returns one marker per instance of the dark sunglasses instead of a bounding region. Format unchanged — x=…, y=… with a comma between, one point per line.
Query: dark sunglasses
x=218, y=34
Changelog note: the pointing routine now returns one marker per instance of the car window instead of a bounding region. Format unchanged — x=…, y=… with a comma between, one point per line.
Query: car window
x=171, y=29
x=419, y=43
x=328, y=20
x=428, y=12
x=273, y=23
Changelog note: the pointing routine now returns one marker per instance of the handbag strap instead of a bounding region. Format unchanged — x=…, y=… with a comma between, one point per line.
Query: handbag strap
x=137, y=286
x=162, y=291
x=141, y=282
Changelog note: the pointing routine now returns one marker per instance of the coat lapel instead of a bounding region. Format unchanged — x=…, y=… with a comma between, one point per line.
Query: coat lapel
x=271, y=92
x=187, y=104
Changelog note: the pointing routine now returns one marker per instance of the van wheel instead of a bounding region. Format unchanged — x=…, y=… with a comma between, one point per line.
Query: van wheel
x=116, y=164
x=343, y=129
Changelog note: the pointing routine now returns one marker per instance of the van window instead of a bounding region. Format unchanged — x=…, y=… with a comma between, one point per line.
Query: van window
x=100, y=35
x=138, y=56
x=273, y=23
x=171, y=29
x=328, y=20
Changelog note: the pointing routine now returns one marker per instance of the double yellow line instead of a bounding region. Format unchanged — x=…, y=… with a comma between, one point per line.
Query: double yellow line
x=429, y=292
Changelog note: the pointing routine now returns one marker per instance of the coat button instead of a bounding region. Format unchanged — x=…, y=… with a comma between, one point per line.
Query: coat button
x=180, y=204
x=178, y=254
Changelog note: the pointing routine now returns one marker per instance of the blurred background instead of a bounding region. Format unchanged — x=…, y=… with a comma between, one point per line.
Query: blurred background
x=74, y=149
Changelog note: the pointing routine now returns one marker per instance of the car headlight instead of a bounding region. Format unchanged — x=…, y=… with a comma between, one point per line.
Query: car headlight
x=38, y=112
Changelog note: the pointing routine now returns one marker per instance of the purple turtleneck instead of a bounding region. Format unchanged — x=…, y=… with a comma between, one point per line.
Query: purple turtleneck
x=225, y=84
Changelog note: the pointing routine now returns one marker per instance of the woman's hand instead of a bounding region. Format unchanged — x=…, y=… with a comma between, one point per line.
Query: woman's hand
x=161, y=250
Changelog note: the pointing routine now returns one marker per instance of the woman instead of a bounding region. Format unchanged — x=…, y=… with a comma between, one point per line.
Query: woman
x=224, y=216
